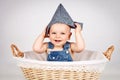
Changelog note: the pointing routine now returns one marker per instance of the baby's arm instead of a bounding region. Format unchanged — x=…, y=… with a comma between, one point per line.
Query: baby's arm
x=79, y=45
x=39, y=45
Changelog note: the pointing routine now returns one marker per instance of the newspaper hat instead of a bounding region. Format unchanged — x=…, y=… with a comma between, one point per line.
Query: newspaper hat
x=61, y=16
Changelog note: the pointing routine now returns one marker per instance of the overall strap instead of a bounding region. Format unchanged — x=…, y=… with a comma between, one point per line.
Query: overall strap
x=50, y=45
x=66, y=46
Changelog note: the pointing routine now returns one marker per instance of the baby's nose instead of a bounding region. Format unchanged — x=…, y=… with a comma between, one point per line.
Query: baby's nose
x=57, y=35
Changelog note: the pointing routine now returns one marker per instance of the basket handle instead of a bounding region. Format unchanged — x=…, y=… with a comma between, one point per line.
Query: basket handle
x=109, y=52
x=16, y=52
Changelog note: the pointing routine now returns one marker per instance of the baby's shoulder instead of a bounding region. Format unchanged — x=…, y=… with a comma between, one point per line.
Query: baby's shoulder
x=72, y=43
x=45, y=44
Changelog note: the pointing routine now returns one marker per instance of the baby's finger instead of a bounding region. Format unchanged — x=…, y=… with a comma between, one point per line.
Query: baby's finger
x=78, y=24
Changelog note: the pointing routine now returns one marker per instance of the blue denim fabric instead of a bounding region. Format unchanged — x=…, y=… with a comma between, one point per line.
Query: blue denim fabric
x=63, y=55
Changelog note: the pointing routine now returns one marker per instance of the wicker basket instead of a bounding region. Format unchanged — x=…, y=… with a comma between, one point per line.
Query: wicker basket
x=35, y=66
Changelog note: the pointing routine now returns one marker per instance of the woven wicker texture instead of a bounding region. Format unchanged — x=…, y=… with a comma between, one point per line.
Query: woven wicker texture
x=39, y=74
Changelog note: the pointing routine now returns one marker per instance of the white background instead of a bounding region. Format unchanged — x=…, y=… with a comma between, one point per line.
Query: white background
x=21, y=21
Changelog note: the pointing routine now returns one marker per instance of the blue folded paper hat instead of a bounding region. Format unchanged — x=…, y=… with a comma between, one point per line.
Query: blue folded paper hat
x=61, y=16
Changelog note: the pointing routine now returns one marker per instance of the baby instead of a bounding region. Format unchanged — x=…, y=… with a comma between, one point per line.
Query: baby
x=59, y=32
x=59, y=49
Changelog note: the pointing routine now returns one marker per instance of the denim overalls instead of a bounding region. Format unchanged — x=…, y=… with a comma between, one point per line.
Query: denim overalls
x=62, y=55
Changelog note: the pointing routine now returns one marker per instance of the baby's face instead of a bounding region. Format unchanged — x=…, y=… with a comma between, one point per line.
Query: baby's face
x=59, y=34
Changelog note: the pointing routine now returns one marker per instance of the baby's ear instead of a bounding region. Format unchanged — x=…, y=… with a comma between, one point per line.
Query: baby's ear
x=47, y=35
x=69, y=35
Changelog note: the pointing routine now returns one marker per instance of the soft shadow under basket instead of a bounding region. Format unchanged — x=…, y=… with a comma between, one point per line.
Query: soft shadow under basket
x=87, y=65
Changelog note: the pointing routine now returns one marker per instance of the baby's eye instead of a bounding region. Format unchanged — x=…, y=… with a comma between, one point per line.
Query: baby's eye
x=63, y=33
x=53, y=32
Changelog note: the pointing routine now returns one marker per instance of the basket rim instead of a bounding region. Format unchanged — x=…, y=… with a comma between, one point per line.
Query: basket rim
x=61, y=63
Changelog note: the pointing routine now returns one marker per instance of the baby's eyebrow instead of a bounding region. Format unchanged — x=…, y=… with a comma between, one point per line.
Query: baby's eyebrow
x=53, y=32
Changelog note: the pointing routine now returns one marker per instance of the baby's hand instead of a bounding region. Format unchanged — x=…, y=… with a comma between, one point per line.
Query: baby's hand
x=78, y=27
x=44, y=33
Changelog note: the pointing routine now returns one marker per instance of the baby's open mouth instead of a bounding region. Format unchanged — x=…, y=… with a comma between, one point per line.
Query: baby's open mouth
x=57, y=40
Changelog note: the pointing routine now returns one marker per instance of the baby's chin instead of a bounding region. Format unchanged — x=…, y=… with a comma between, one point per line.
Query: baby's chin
x=58, y=44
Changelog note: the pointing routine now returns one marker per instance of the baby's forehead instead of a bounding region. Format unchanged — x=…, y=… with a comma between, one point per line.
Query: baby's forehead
x=60, y=25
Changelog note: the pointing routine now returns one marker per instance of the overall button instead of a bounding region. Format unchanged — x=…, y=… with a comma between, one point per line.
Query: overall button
x=67, y=52
x=53, y=57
